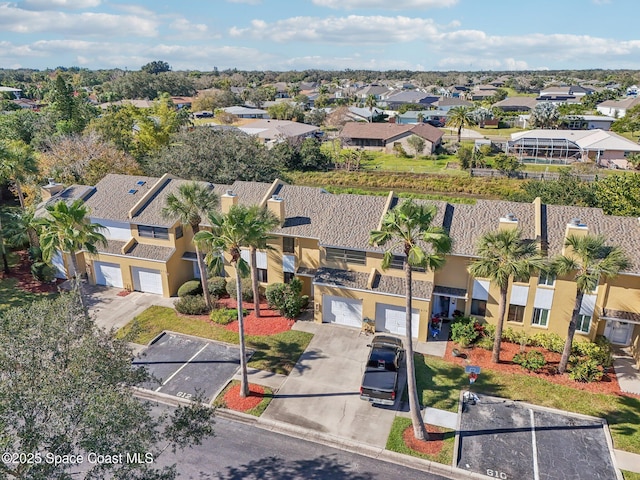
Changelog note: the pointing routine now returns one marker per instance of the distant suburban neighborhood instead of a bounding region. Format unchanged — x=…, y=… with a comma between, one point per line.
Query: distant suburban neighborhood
x=266, y=245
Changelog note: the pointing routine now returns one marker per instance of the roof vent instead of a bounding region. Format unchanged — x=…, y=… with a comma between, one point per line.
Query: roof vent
x=51, y=181
x=140, y=183
x=511, y=217
x=275, y=197
x=229, y=193
x=575, y=222
x=132, y=191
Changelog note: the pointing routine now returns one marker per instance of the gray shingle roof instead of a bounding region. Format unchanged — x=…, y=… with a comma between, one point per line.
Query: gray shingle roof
x=381, y=284
x=249, y=193
x=621, y=231
x=138, y=250
x=113, y=201
x=343, y=220
x=69, y=195
x=621, y=315
x=470, y=222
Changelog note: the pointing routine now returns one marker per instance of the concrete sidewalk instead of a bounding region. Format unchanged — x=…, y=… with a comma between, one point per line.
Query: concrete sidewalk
x=627, y=372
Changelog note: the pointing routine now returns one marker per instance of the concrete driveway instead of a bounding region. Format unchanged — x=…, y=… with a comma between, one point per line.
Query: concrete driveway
x=322, y=393
x=112, y=311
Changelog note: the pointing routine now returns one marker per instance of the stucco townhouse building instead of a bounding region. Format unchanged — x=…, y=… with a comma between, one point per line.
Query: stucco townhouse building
x=323, y=239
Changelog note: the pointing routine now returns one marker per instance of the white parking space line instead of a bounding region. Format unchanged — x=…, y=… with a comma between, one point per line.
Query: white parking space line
x=184, y=365
x=536, y=473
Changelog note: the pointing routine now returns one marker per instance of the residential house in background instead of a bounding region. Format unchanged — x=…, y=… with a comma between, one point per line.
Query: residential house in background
x=271, y=132
x=617, y=108
x=566, y=146
x=448, y=103
x=246, y=112
x=516, y=104
x=384, y=136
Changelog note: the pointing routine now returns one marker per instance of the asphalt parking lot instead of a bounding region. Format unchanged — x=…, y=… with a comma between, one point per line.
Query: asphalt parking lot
x=184, y=366
x=511, y=441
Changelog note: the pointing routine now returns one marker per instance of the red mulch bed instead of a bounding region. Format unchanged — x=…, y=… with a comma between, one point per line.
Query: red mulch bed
x=432, y=446
x=22, y=273
x=269, y=323
x=234, y=401
x=481, y=357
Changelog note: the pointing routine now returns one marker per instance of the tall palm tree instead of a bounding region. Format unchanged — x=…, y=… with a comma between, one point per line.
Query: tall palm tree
x=65, y=228
x=503, y=256
x=189, y=204
x=260, y=222
x=408, y=228
x=17, y=162
x=588, y=258
x=460, y=117
x=229, y=233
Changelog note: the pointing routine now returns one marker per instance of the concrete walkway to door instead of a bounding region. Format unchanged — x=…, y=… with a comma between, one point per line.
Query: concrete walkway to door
x=627, y=372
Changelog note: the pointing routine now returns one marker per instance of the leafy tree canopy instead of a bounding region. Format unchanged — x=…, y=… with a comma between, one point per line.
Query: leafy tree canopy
x=155, y=67
x=619, y=194
x=66, y=391
x=215, y=155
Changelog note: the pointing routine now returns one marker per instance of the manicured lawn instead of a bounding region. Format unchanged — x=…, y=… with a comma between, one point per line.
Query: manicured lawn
x=277, y=353
x=256, y=411
x=11, y=296
x=630, y=475
x=439, y=385
x=422, y=164
x=395, y=443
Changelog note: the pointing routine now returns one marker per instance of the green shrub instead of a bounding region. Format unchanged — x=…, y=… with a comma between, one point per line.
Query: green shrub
x=600, y=351
x=286, y=298
x=549, y=341
x=217, y=286
x=247, y=290
x=485, y=342
x=514, y=336
x=223, y=316
x=489, y=332
x=191, y=305
x=586, y=370
x=192, y=287
x=464, y=331
x=533, y=360
x=43, y=272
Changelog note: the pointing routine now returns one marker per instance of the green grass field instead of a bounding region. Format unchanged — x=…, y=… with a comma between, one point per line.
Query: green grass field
x=276, y=353
x=395, y=443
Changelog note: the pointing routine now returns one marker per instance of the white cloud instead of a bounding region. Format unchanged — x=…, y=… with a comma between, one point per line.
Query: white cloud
x=353, y=29
x=351, y=62
x=184, y=25
x=385, y=4
x=59, y=4
x=86, y=24
x=249, y=2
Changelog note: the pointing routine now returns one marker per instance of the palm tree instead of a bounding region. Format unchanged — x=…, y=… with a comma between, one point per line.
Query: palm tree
x=229, y=233
x=191, y=202
x=504, y=255
x=66, y=229
x=544, y=115
x=588, y=258
x=17, y=162
x=460, y=117
x=408, y=227
x=260, y=222
x=371, y=102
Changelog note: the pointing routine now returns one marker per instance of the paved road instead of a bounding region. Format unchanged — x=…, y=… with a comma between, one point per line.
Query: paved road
x=243, y=452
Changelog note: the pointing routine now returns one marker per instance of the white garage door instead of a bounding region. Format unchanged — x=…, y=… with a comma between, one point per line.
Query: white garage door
x=147, y=280
x=108, y=274
x=392, y=319
x=342, y=311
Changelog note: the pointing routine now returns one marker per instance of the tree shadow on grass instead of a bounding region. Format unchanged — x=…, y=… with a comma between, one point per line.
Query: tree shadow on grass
x=624, y=417
x=325, y=467
x=439, y=383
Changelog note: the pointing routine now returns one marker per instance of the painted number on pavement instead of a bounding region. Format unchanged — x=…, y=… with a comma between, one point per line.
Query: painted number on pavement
x=496, y=474
x=186, y=396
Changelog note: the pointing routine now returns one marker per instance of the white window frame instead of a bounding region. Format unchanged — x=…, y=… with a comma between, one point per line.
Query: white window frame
x=540, y=317
x=580, y=323
x=543, y=279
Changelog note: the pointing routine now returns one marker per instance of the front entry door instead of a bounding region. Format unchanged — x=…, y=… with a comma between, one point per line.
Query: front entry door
x=619, y=332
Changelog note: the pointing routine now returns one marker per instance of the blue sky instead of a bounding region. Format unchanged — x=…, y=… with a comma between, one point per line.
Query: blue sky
x=324, y=34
